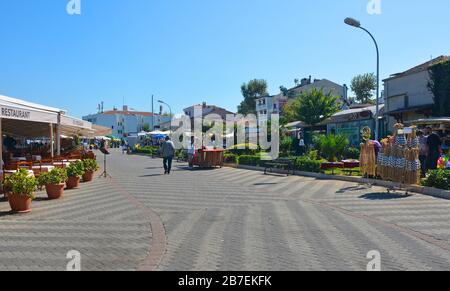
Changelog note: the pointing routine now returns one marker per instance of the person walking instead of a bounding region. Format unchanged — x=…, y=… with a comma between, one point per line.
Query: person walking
x=168, y=152
x=434, y=146
x=191, y=153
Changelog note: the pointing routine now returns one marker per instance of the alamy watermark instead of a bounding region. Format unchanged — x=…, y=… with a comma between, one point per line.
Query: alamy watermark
x=74, y=7
x=74, y=264
x=374, y=7
x=224, y=132
x=374, y=264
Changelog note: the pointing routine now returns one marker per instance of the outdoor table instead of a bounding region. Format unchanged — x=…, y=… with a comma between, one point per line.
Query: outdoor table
x=43, y=168
x=10, y=172
x=37, y=158
x=61, y=164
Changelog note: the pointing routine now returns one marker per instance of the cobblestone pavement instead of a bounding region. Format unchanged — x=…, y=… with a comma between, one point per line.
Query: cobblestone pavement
x=226, y=219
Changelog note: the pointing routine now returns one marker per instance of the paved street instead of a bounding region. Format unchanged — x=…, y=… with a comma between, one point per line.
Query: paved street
x=225, y=219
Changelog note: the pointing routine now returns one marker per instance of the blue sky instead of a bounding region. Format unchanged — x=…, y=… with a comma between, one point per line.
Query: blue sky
x=189, y=51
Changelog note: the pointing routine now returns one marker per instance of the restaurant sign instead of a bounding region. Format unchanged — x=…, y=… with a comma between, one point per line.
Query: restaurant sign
x=18, y=113
x=15, y=113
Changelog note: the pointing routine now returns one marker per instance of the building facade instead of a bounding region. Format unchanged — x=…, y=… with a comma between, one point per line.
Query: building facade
x=125, y=122
x=266, y=106
x=407, y=95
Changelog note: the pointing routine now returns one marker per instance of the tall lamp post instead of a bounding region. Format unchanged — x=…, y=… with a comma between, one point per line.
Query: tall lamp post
x=357, y=24
x=170, y=109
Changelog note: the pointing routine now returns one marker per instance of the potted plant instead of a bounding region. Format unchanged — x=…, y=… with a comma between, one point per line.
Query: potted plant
x=90, y=166
x=21, y=188
x=74, y=172
x=54, y=182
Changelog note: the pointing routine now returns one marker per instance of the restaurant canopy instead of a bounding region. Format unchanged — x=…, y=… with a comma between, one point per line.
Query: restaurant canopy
x=23, y=119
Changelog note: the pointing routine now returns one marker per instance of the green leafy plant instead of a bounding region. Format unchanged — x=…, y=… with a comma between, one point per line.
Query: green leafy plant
x=21, y=183
x=331, y=146
x=438, y=179
x=90, y=165
x=287, y=145
x=244, y=149
x=230, y=158
x=55, y=176
x=75, y=169
x=439, y=85
x=249, y=160
x=351, y=153
x=307, y=164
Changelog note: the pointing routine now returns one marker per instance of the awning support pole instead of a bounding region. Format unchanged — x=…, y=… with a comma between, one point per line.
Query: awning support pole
x=52, y=148
x=1, y=145
x=58, y=136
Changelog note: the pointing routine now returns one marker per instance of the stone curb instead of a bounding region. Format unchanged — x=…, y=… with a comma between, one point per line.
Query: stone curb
x=438, y=193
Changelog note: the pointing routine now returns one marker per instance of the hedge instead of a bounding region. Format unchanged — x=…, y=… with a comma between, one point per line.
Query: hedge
x=248, y=160
x=230, y=158
x=305, y=164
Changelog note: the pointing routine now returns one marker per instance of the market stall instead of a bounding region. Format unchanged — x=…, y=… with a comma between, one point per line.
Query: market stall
x=208, y=158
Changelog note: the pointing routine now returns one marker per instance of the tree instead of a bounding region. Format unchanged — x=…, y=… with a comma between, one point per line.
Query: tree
x=311, y=107
x=251, y=91
x=439, y=85
x=364, y=86
x=146, y=127
x=331, y=146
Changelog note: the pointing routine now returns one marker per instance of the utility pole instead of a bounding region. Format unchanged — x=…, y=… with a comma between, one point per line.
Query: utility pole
x=153, y=115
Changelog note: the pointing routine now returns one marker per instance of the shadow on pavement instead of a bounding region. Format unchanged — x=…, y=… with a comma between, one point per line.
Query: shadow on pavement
x=351, y=189
x=383, y=196
x=151, y=175
x=5, y=213
x=186, y=168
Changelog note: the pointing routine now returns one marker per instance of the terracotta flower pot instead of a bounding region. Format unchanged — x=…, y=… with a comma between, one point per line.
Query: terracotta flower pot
x=73, y=182
x=55, y=191
x=19, y=203
x=88, y=176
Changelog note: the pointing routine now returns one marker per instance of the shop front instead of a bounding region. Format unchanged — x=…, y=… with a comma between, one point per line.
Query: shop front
x=352, y=122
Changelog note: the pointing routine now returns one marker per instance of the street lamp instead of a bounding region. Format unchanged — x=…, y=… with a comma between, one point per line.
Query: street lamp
x=170, y=109
x=355, y=23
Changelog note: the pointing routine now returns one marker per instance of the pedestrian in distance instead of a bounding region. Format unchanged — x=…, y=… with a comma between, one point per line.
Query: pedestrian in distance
x=434, y=143
x=168, y=152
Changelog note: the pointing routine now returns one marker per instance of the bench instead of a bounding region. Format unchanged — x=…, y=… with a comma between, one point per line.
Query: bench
x=285, y=164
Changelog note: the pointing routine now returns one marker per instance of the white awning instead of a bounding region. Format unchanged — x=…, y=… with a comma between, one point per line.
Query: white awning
x=11, y=108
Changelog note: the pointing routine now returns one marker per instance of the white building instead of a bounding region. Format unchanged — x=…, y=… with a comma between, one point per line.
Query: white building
x=407, y=95
x=266, y=106
x=125, y=122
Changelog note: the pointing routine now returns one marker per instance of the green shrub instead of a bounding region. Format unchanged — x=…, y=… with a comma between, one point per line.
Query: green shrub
x=247, y=149
x=351, y=153
x=438, y=179
x=90, y=165
x=148, y=150
x=254, y=160
x=305, y=164
x=21, y=183
x=75, y=169
x=331, y=146
x=287, y=145
x=230, y=158
x=55, y=176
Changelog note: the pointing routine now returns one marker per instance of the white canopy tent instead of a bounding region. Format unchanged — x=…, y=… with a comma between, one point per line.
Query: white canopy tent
x=24, y=119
